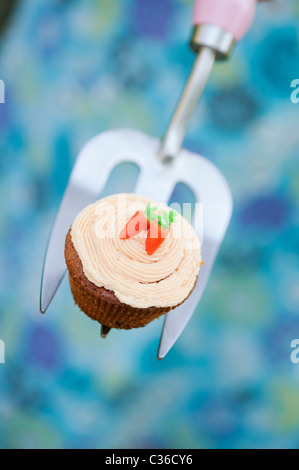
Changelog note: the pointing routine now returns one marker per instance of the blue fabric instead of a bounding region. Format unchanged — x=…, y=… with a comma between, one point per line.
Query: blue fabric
x=73, y=69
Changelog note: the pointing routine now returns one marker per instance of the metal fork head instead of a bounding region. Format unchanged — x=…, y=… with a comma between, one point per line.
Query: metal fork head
x=156, y=181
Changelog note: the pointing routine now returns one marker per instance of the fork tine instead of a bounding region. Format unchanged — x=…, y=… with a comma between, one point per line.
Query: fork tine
x=88, y=178
x=105, y=331
x=177, y=319
x=156, y=188
x=54, y=267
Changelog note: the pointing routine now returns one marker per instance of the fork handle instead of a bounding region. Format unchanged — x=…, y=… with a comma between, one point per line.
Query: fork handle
x=235, y=16
x=218, y=25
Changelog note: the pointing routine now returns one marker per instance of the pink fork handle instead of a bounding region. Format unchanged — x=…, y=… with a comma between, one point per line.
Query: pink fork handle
x=235, y=16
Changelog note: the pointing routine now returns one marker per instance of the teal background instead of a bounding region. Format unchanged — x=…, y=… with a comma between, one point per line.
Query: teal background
x=73, y=69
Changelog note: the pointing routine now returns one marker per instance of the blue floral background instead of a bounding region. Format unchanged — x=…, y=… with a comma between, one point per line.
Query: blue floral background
x=73, y=69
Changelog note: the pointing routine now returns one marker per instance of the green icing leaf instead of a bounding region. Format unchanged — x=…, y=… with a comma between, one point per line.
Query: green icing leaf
x=149, y=212
x=164, y=220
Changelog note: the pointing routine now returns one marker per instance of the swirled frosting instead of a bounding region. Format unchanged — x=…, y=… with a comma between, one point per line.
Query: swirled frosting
x=162, y=279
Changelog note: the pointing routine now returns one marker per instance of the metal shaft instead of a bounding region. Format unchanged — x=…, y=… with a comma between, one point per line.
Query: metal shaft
x=173, y=139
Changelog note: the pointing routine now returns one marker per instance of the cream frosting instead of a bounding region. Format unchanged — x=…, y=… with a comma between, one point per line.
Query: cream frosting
x=162, y=279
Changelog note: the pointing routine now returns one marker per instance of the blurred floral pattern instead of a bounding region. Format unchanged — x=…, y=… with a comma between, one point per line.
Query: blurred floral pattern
x=73, y=69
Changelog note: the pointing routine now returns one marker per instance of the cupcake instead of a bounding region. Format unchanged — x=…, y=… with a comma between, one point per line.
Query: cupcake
x=131, y=260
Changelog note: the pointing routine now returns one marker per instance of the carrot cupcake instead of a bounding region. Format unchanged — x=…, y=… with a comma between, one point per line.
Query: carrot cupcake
x=130, y=260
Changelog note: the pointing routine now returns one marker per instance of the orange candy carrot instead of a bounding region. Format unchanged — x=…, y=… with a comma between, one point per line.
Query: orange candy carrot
x=157, y=227
x=136, y=224
x=155, y=237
